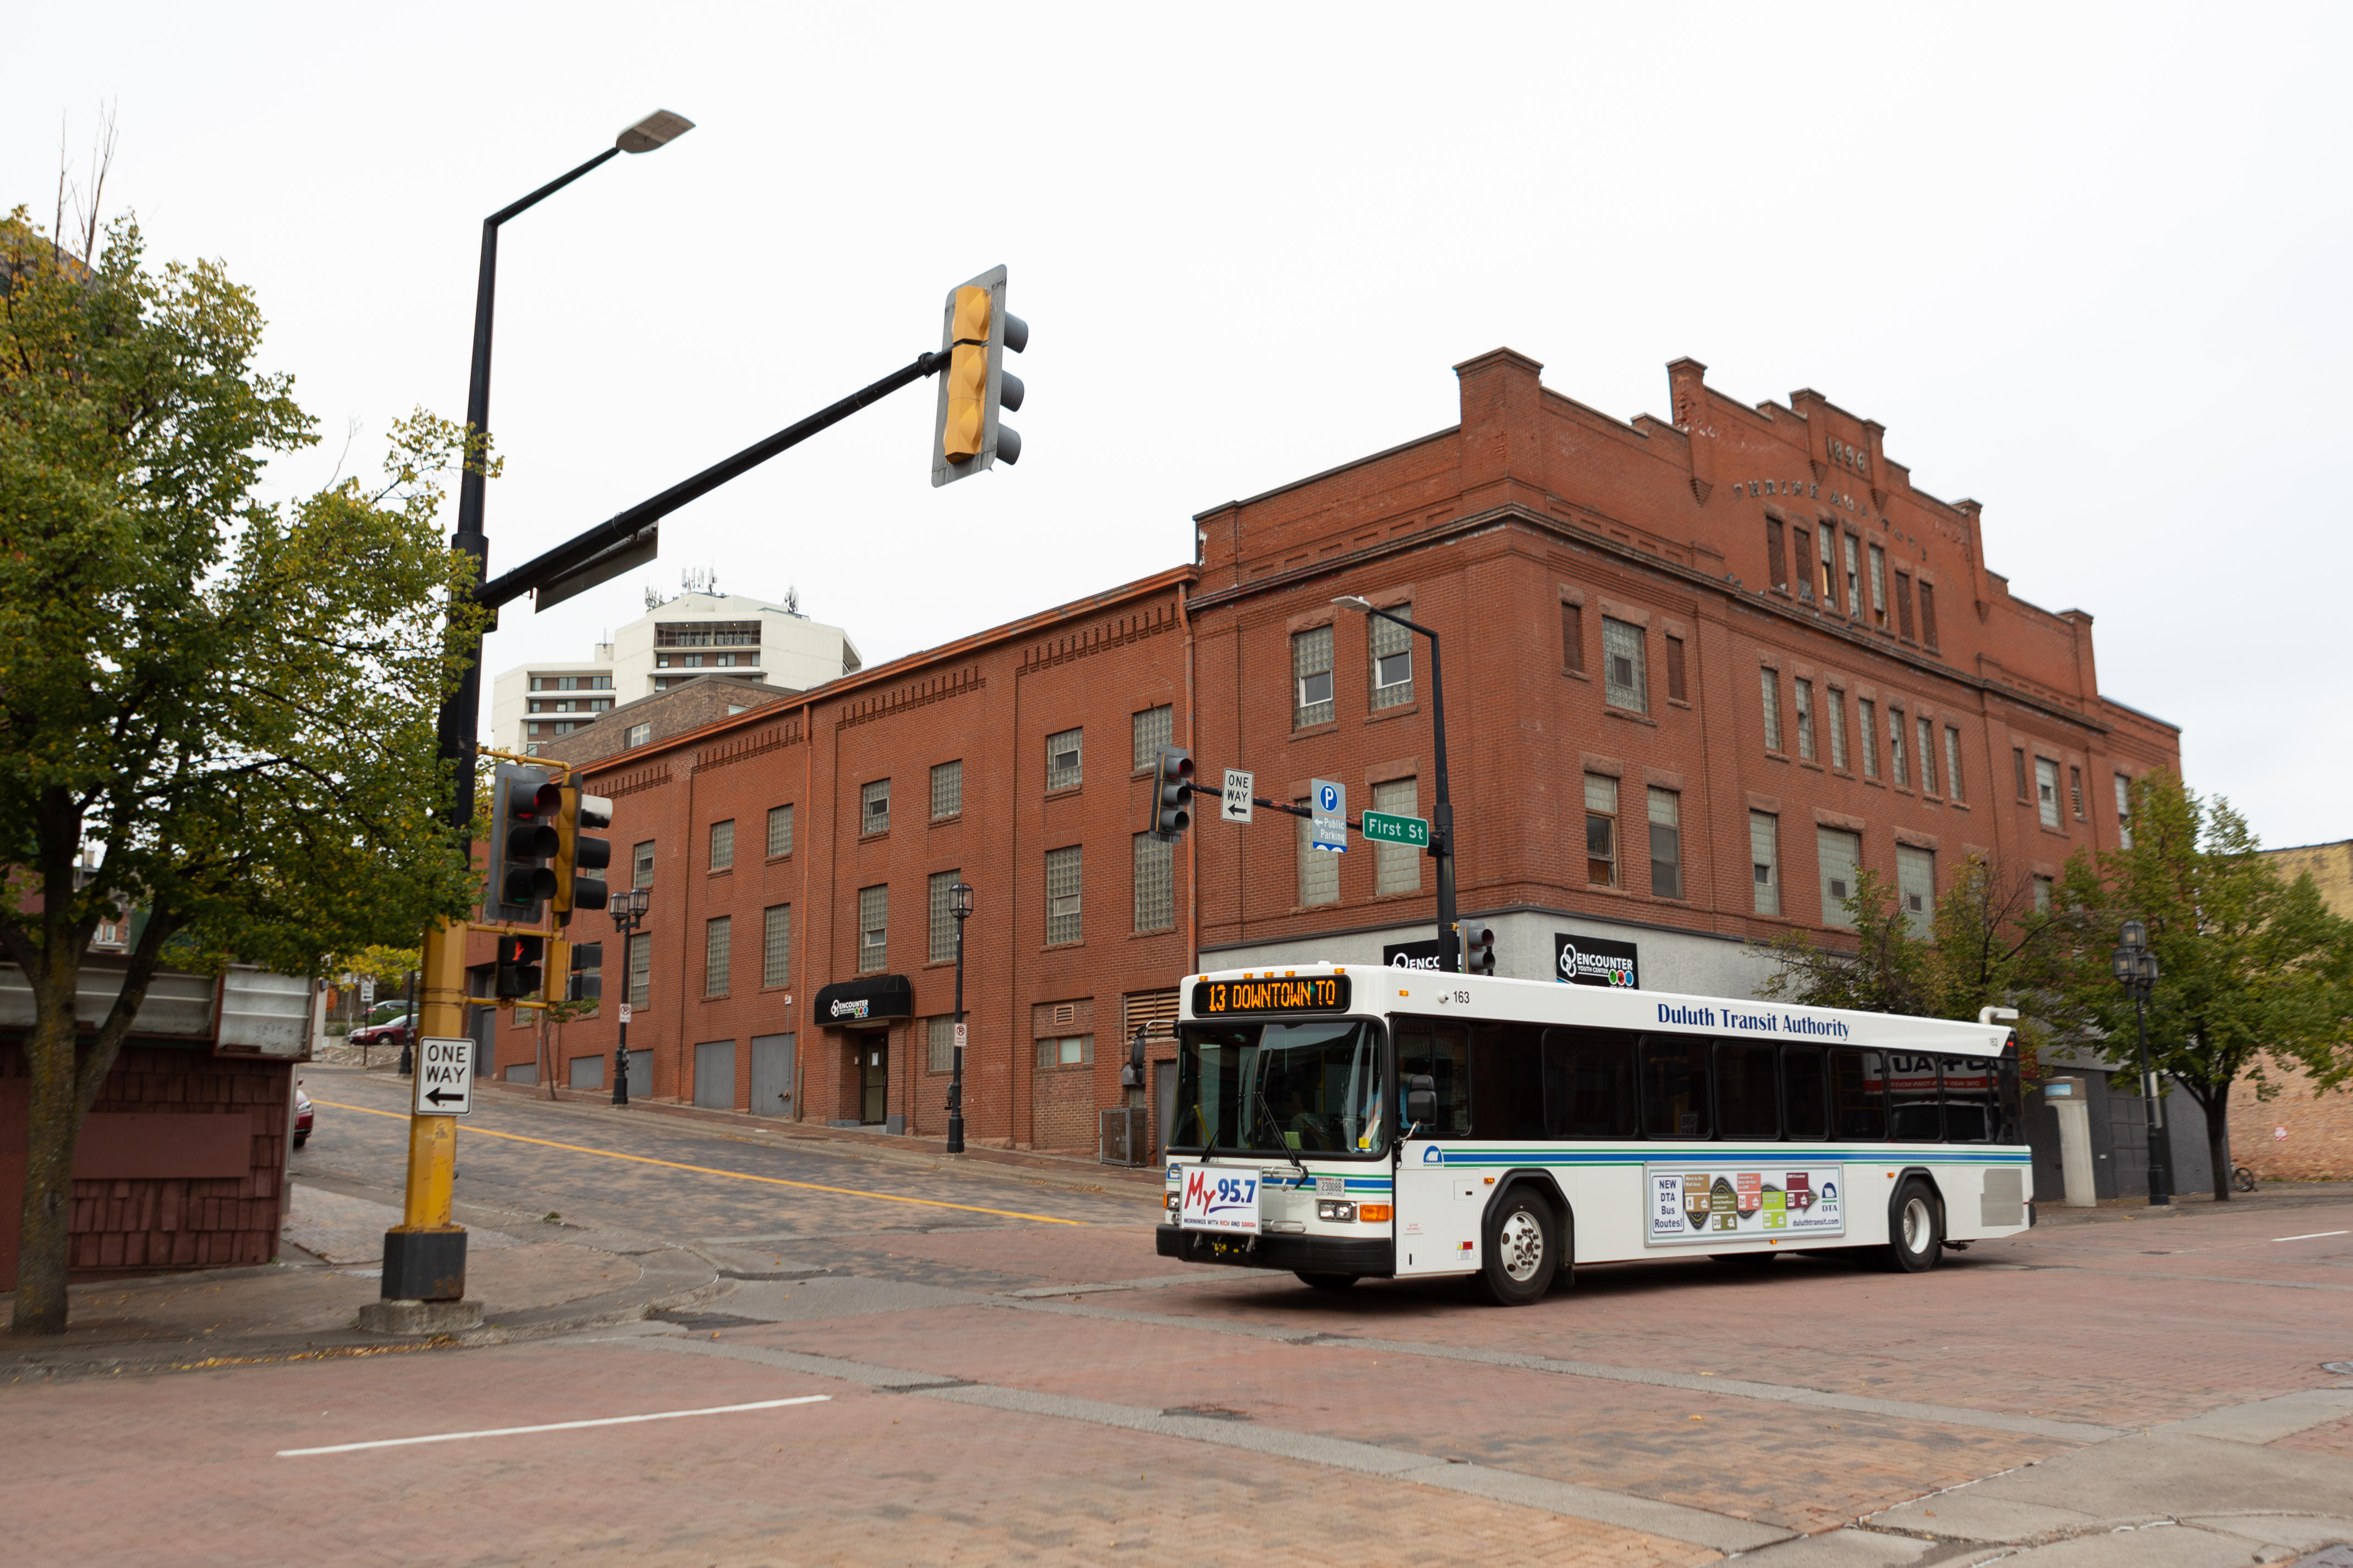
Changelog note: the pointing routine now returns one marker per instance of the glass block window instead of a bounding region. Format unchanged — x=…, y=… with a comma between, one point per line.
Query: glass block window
x=1841, y=854
x=1397, y=867
x=940, y=907
x=1392, y=659
x=1953, y=765
x=780, y=830
x=1065, y=759
x=1154, y=728
x=2046, y=790
x=948, y=790
x=1916, y=887
x=1926, y=734
x=1802, y=695
x=2123, y=811
x=1866, y=718
x=1666, y=844
x=874, y=808
x=722, y=845
x=776, y=945
x=1319, y=870
x=1770, y=679
x=1311, y=678
x=939, y=1040
x=714, y=957
x=641, y=967
x=1602, y=829
x=1063, y=910
x=1625, y=684
x=1896, y=769
x=1765, y=861
x=873, y=928
x=1156, y=883
x=641, y=865
x=1835, y=712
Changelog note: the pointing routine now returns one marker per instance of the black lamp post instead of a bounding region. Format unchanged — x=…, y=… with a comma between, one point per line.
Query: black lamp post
x=960, y=905
x=627, y=908
x=1441, y=814
x=2135, y=970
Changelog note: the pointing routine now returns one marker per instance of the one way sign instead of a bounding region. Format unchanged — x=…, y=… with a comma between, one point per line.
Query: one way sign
x=445, y=1077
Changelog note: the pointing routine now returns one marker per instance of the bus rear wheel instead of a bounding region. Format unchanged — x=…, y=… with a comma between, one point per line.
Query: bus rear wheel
x=1915, y=1232
x=1522, y=1250
x=1325, y=1281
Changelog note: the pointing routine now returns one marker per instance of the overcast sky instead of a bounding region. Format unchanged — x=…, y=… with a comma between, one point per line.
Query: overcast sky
x=2085, y=264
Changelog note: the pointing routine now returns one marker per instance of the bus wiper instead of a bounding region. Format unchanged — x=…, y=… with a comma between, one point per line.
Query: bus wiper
x=1280, y=1142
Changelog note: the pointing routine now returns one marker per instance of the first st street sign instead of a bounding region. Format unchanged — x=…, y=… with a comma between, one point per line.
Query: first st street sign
x=445, y=1077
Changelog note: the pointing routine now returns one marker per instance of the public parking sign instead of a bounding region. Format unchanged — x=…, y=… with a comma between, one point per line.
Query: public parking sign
x=445, y=1077
x=1328, y=829
x=1386, y=827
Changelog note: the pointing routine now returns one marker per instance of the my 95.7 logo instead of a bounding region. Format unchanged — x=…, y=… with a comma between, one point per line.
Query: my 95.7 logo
x=1216, y=1199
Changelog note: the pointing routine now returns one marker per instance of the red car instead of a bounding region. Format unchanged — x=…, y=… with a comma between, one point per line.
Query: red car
x=389, y=1032
x=304, y=1115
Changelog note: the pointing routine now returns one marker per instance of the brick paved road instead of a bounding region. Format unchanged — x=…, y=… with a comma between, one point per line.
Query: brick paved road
x=1650, y=1414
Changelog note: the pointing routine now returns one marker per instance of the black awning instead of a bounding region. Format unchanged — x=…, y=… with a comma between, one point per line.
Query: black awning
x=868, y=1000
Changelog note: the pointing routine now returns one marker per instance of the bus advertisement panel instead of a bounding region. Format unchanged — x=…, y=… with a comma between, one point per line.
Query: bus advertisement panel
x=1708, y=1204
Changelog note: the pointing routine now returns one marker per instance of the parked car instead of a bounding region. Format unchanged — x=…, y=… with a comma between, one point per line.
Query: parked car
x=389, y=1032
x=304, y=1115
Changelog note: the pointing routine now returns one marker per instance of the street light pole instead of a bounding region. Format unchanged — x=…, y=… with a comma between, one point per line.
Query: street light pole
x=2135, y=970
x=1441, y=813
x=627, y=908
x=960, y=905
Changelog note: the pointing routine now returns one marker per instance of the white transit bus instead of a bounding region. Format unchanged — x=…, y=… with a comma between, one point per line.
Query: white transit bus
x=1346, y=1122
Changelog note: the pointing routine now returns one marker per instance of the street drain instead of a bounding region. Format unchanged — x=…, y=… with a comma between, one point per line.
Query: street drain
x=1206, y=1412
x=705, y=1320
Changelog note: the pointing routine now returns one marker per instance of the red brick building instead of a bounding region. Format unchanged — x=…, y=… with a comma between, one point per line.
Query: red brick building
x=1697, y=674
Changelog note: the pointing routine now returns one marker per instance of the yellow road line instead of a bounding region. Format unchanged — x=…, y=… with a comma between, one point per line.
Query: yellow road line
x=708, y=1170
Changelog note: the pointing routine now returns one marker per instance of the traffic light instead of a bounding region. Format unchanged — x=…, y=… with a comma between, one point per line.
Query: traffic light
x=587, y=977
x=523, y=839
x=975, y=333
x=519, y=961
x=580, y=859
x=1172, y=786
x=1478, y=948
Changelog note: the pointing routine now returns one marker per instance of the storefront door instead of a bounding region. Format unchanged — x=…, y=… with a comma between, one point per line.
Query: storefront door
x=874, y=1067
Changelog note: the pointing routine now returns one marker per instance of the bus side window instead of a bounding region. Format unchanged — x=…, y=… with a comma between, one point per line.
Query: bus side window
x=1589, y=1083
x=1506, y=1081
x=1747, y=1099
x=2013, y=1114
x=1440, y=1051
x=1858, y=1096
x=1675, y=1086
x=1968, y=1100
x=1804, y=1085
x=1914, y=1114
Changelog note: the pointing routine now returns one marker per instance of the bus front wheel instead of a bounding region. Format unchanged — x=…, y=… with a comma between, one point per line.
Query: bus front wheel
x=1522, y=1250
x=1915, y=1233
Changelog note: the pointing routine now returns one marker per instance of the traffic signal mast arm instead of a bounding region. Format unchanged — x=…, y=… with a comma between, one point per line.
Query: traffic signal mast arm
x=1283, y=806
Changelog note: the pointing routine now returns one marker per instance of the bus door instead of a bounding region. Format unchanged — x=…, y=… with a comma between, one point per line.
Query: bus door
x=1440, y=1202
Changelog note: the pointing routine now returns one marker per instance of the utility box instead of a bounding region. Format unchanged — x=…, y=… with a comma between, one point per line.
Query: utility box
x=2066, y=1096
x=1125, y=1137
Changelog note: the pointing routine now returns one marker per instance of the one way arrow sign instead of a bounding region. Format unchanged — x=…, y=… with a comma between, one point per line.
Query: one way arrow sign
x=445, y=1077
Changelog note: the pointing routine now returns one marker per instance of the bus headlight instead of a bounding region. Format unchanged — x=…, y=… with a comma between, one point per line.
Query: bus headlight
x=1334, y=1212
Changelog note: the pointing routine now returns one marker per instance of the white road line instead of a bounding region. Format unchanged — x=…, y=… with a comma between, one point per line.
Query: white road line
x=2312, y=1235
x=554, y=1426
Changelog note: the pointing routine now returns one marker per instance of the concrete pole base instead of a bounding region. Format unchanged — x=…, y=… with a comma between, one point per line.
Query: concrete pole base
x=420, y=1317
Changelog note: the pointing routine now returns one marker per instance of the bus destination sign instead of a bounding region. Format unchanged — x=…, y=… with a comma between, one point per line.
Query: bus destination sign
x=1231, y=998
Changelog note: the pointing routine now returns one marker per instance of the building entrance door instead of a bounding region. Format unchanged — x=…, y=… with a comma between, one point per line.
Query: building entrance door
x=874, y=1069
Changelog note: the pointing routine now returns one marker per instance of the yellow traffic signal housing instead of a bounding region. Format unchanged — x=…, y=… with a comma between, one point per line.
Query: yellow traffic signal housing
x=975, y=332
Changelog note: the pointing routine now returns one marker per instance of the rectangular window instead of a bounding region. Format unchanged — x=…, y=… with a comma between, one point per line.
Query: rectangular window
x=1858, y=1096
x=1802, y=552
x=1926, y=733
x=1069, y=1051
x=2123, y=811
x=722, y=845
x=939, y=907
x=1392, y=648
x=1770, y=679
x=1822, y=537
x=1674, y=1087
x=641, y=967
x=1154, y=728
x=1916, y=888
x=641, y=865
x=1572, y=638
x=2018, y=764
x=874, y=808
x=1397, y=866
x=1802, y=691
x=1311, y=678
x=1879, y=588
x=1904, y=605
x=1853, y=577
x=1666, y=844
x=939, y=1043
x=1623, y=681
x=1065, y=760
x=1866, y=721
x=1675, y=690
x=874, y=930
x=1156, y=883
x=1805, y=1092
x=948, y=790
x=1775, y=565
x=1913, y=1115
x=1840, y=856
x=2075, y=793
x=1836, y=704
x=780, y=830
x=1064, y=908
x=640, y=734
x=2041, y=895
x=1589, y=1083
x=714, y=957
x=776, y=945
x=1600, y=830
x=1928, y=616
x=1765, y=861
x=1896, y=769
x=1971, y=1111
x=2046, y=790
x=1319, y=870
x=1953, y=765
x=1748, y=1093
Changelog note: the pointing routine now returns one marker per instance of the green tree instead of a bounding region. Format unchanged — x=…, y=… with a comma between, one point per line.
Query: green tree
x=229, y=701
x=2254, y=971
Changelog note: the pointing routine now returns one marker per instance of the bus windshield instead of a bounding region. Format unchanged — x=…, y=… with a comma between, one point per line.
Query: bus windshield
x=1306, y=1088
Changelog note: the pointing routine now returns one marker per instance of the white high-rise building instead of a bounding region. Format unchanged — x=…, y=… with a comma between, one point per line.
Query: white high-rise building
x=697, y=634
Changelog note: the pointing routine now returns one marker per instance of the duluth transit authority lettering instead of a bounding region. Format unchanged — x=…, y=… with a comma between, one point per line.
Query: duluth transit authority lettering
x=1326, y=993
x=1761, y=1022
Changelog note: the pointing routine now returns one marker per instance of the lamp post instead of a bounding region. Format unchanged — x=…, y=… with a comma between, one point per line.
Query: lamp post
x=960, y=905
x=627, y=908
x=2135, y=970
x=1441, y=823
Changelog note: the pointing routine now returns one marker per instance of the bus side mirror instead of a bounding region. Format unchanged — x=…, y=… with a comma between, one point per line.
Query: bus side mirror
x=1132, y=1075
x=1422, y=1099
